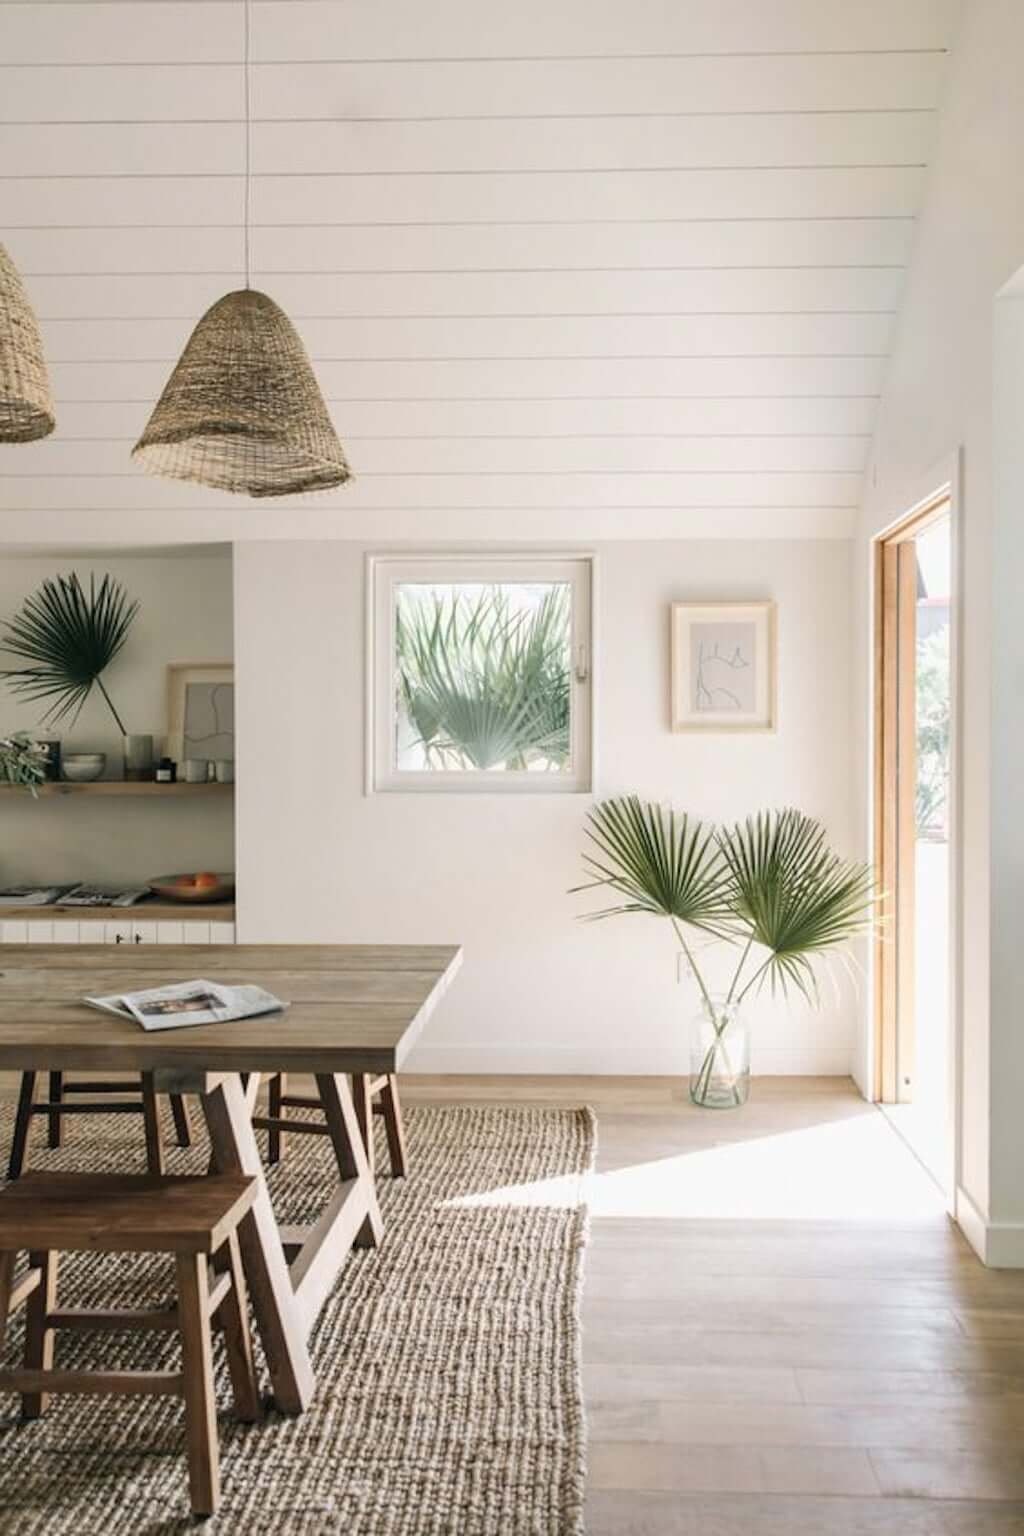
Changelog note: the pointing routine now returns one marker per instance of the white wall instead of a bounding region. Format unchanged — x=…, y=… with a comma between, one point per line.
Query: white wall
x=938, y=398
x=539, y=991
x=185, y=615
x=1006, y=1194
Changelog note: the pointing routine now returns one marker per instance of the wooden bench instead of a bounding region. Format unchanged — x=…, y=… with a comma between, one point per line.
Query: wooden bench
x=138, y=1098
x=372, y=1095
x=195, y=1219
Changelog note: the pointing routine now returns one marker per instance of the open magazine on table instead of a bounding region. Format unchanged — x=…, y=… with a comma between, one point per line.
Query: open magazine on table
x=189, y=1002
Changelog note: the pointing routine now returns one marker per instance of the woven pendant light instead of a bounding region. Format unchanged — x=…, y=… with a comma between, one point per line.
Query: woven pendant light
x=26, y=409
x=242, y=410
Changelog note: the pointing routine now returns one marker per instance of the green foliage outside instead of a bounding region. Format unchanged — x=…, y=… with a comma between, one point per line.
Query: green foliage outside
x=933, y=733
x=483, y=685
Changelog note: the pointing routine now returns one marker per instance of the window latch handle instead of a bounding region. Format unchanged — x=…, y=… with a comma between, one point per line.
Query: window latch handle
x=582, y=670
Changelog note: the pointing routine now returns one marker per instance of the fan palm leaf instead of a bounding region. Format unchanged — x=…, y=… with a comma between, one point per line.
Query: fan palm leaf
x=67, y=638
x=658, y=862
x=793, y=895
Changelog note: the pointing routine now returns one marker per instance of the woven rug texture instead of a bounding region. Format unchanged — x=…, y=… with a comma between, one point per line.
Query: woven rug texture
x=448, y=1402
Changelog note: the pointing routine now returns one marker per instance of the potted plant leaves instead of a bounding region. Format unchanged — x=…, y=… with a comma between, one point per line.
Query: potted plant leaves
x=769, y=887
x=22, y=761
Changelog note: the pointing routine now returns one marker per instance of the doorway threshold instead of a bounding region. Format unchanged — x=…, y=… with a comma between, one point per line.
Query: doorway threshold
x=924, y=1137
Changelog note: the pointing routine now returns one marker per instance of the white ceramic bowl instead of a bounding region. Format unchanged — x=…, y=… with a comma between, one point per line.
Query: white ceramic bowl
x=83, y=767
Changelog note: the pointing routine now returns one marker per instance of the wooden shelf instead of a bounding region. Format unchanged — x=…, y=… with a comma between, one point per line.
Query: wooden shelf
x=143, y=787
x=144, y=911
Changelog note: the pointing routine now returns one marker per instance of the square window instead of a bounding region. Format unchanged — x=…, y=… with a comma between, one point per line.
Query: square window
x=480, y=674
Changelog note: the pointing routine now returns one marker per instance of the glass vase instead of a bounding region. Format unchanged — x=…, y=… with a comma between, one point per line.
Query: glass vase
x=138, y=757
x=719, y=1056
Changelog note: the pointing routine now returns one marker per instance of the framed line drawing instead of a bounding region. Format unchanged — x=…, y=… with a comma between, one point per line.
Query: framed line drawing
x=723, y=666
x=201, y=710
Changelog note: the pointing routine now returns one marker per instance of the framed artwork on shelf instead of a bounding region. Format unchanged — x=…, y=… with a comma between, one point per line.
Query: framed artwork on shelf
x=723, y=666
x=201, y=711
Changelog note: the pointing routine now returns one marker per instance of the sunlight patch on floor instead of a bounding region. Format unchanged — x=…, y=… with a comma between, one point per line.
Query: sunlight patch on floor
x=855, y=1169
x=564, y=1191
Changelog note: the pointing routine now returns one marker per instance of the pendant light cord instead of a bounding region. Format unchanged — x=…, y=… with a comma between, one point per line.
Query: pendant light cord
x=248, y=140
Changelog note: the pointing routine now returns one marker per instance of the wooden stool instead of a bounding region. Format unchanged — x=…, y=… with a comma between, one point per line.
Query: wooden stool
x=372, y=1096
x=143, y=1102
x=195, y=1219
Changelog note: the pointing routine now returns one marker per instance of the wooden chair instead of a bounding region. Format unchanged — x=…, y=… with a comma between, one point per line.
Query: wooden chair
x=372, y=1096
x=196, y=1220
x=139, y=1100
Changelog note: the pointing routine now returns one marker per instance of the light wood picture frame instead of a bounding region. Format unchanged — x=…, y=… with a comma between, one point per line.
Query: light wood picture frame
x=723, y=674
x=195, y=690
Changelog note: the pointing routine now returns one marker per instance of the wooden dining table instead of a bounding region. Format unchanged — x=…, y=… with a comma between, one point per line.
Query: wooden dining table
x=352, y=1008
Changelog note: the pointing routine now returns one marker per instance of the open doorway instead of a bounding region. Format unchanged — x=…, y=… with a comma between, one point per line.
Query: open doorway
x=914, y=830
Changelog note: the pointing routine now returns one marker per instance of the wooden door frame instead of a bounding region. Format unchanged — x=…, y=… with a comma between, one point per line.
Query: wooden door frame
x=895, y=763
x=944, y=496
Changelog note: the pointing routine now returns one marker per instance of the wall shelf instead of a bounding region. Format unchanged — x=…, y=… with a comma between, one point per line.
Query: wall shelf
x=143, y=787
x=144, y=911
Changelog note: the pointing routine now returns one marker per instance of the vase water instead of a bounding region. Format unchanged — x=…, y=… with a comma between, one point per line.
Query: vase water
x=719, y=1055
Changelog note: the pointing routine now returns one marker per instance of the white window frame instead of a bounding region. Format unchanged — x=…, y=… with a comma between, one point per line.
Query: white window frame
x=384, y=573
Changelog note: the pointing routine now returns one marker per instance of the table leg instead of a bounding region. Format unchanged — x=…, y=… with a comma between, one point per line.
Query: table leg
x=235, y=1151
x=351, y=1217
x=362, y=1095
x=394, y=1130
x=350, y=1152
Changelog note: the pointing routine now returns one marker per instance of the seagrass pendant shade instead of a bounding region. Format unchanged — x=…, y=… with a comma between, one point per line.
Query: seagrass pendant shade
x=26, y=409
x=242, y=410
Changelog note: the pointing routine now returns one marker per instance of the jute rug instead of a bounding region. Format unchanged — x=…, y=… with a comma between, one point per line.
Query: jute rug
x=449, y=1400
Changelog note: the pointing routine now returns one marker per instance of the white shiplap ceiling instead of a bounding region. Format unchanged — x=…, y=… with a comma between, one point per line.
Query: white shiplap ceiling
x=593, y=266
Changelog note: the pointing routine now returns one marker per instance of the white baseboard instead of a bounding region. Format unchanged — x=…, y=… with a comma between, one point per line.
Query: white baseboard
x=999, y=1244
x=614, y=1061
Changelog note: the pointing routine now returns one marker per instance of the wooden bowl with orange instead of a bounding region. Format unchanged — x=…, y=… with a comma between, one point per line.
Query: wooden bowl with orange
x=199, y=887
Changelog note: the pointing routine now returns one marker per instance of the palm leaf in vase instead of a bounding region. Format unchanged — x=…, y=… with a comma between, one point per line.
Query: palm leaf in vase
x=67, y=638
x=794, y=896
x=770, y=885
x=660, y=862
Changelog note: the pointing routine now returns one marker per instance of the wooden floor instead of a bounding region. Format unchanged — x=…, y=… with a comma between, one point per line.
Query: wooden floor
x=827, y=1359
x=784, y=1335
